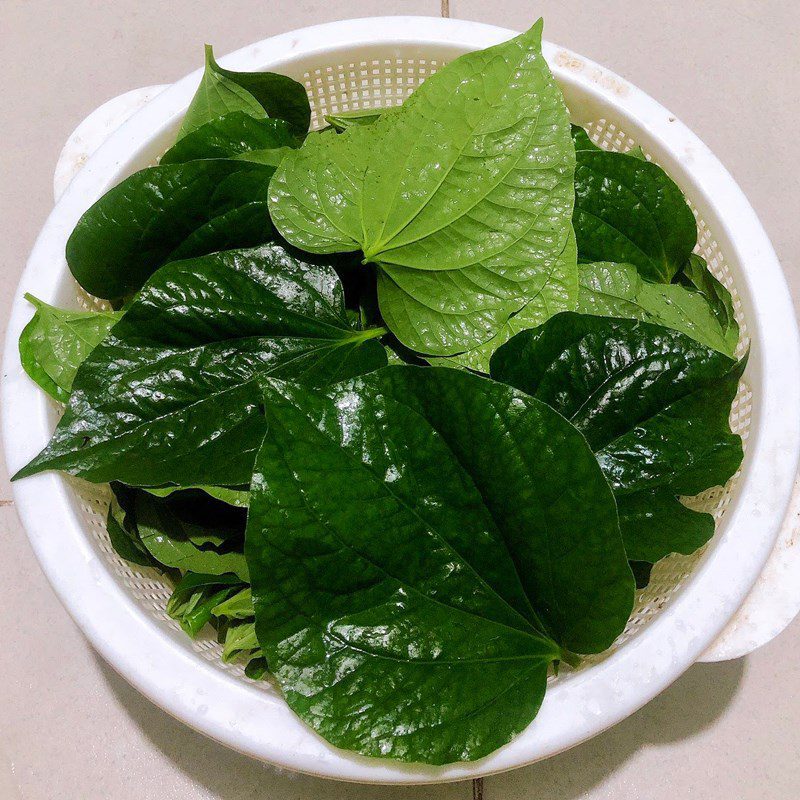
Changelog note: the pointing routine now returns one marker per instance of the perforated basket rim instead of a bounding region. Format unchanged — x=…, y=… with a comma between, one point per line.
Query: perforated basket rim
x=156, y=659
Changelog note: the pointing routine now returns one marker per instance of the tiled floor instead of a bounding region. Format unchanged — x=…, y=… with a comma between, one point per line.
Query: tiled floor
x=71, y=729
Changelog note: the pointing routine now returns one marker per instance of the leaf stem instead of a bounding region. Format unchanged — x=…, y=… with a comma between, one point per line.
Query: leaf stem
x=568, y=657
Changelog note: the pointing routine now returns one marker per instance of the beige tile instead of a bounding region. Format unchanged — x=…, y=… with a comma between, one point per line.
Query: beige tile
x=70, y=729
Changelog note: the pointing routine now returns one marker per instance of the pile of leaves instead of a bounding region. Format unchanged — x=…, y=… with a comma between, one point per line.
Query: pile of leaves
x=401, y=405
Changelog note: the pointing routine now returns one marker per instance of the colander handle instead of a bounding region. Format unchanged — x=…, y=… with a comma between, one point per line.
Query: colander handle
x=772, y=603
x=94, y=130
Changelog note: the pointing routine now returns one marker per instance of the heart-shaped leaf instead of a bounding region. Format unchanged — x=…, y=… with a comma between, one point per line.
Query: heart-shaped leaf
x=167, y=212
x=422, y=542
x=463, y=198
x=630, y=211
x=257, y=94
x=55, y=342
x=169, y=397
x=653, y=405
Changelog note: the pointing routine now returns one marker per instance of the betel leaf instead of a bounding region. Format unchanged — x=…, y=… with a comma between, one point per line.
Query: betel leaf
x=170, y=396
x=234, y=135
x=422, y=542
x=617, y=290
x=169, y=540
x=530, y=315
x=217, y=95
x=237, y=497
x=195, y=597
x=258, y=94
x=124, y=537
x=462, y=197
x=630, y=211
x=654, y=523
x=653, y=405
x=343, y=120
x=696, y=275
x=166, y=212
x=56, y=341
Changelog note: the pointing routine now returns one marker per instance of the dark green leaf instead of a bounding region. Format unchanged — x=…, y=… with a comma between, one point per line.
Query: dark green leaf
x=655, y=523
x=415, y=538
x=696, y=275
x=462, y=197
x=167, y=212
x=617, y=290
x=55, y=342
x=170, y=397
x=256, y=668
x=652, y=404
x=641, y=573
x=234, y=135
x=168, y=538
x=124, y=538
x=629, y=211
x=280, y=96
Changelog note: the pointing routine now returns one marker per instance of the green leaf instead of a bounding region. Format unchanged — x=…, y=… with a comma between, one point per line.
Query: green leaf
x=234, y=135
x=417, y=539
x=347, y=119
x=240, y=640
x=629, y=211
x=617, y=290
x=195, y=596
x=653, y=405
x=277, y=95
x=529, y=316
x=641, y=573
x=216, y=95
x=170, y=396
x=167, y=212
x=56, y=341
x=696, y=275
x=655, y=523
x=168, y=538
x=239, y=606
x=125, y=538
x=240, y=498
x=462, y=197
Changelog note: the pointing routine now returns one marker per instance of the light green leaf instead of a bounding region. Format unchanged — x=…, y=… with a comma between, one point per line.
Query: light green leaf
x=55, y=342
x=696, y=275
x=462, y=197
x=617, y=290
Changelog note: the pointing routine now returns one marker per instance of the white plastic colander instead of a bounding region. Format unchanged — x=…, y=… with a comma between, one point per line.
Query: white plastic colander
x=690, y=600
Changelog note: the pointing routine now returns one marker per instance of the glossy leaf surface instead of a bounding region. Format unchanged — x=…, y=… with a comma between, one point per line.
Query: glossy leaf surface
x=170, y=397
x=56, y=341
x=617, y=290
x=257, y=94
x=419, y=540
x=143, y=222
x=234, y=135
x=463, y=198
x=630, y=211
x=652, y=404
